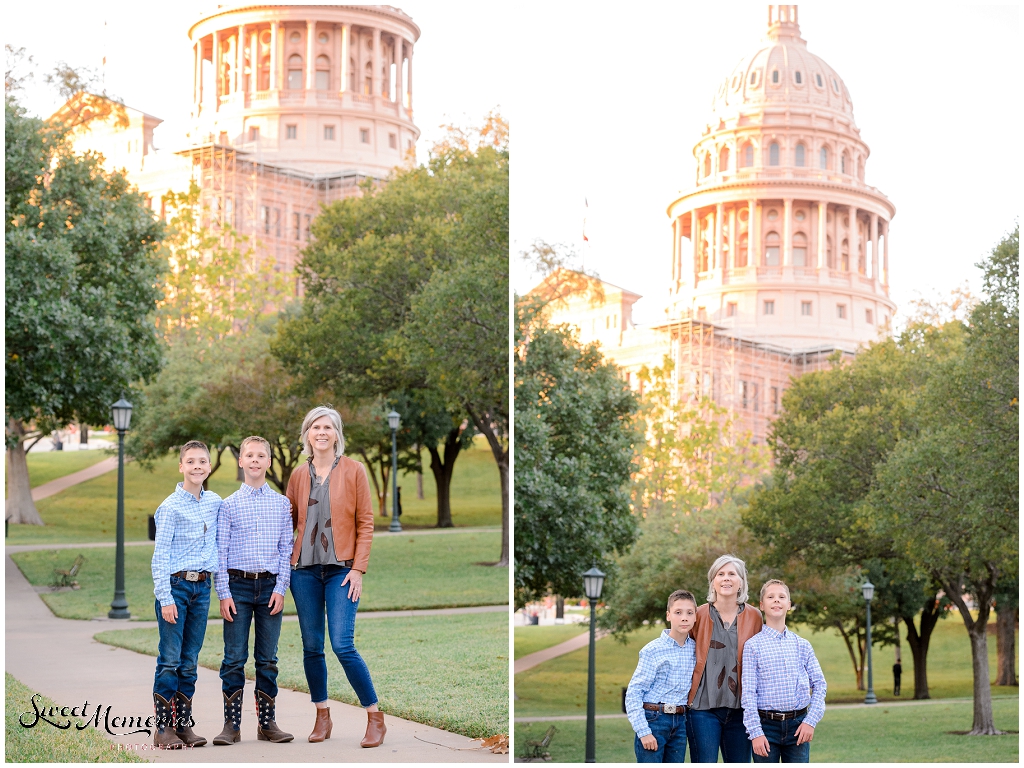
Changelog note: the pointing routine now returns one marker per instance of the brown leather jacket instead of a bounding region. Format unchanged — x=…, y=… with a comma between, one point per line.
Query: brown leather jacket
x=351, y=511
x=748, y=624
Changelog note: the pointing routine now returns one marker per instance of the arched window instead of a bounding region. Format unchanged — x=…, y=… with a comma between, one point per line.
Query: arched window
x=844, y=256
x=842, y=163
x=368, y=79
x=323, y=73
x=799, y=250
x=823, y=159
x=798, y=77
x=775, y=76
x=800, y=156
x=352, y=74
x=295, y=72
x=742, y=254
x=830, y=257
x=723, y=160
x=773, y=154
x=707, y=163
x=263, y=82
x=748, y=155
x=862, y=262
x=771, y=249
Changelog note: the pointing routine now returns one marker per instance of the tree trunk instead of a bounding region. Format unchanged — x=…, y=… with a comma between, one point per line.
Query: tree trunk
x=486, y=428
x=443, y=468
x=1006, y=624
x=918, y=642
x=984, y=722
x=240, y=474
x=19, y=508
x=381, y=497
x=83, y=432
x=419, y=486
x=857, y=669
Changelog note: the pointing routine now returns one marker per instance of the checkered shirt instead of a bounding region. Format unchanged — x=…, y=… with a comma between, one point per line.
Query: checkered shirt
x=663, y=676
x=782, y=674
x=186, y=538
x=255, y=534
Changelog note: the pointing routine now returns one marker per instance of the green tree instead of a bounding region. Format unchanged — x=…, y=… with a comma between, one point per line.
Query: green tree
x=576, y=439
x=81, y=281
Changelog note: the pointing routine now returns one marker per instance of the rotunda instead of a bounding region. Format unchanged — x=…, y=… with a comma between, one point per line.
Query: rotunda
x=781, y=239
x=315, y=88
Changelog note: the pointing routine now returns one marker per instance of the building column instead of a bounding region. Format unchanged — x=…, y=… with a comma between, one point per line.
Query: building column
x=254, y=61
x=822, y=233
x=197, y=71
x=753, y=236
x=408, y=85
x=718, y=238
x=695, y=243
x=734, y=241
x=376, y=59
x=216, y=70
x=341, y=51
x=873, y=234
x=854, y=249
x=310, y=55
x=675, y=249
x=274, y=56
x=240, y=61
x=399, y=80
x=885, y=256
x=787, y=232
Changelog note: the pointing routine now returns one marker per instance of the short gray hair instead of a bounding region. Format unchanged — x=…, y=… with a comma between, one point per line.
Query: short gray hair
x=313, y=415
x=741, y=569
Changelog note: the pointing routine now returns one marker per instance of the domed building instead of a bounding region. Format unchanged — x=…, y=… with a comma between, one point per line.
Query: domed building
x=780, y=249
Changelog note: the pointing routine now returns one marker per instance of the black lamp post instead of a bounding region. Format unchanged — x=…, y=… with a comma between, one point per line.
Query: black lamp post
x=394, y=419
x=869, y=591
x=593, y=583
x=121, y=415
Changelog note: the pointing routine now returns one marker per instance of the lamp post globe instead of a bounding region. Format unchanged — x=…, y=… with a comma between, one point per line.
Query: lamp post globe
x=394, y=420
x=868, y=590
x=121, y=416
x=593, y=584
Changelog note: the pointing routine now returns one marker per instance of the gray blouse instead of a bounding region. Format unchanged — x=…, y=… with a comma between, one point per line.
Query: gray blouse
x=720, y=684
x=318, y=538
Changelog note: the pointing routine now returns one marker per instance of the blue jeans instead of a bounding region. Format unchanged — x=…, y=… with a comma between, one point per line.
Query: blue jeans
x=251, y=598
x=711, y=729
x=314, y=589
x=781, y=735
x=178, y=653
x=670, y=731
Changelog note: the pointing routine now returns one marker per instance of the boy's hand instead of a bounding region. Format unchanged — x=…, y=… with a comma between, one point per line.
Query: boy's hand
x=276, y=603
x=169, y=613
x=227, y=607
x=355, y=584
x=760, y=745
x=804, y=733
x=649, y=741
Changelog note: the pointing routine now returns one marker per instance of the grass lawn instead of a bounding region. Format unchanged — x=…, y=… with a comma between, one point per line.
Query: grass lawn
x=431, y=571
x=450, y=672
x=87, y=512
x=916, y=733
x=532, y=639
x=44, y=743
x=49, y=465
x=559, y=686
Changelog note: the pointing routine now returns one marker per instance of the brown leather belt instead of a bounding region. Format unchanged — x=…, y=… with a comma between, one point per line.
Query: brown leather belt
x=192, y=575
x=250, y=574
x=772, y=715
x=668, y=709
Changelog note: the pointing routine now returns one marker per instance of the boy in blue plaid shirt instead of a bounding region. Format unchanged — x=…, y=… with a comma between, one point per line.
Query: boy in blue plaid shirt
x=657, y=693
x=254, y=544
x=783, y=690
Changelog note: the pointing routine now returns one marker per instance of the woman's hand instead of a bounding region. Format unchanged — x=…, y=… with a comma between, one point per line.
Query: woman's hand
x=354, y=579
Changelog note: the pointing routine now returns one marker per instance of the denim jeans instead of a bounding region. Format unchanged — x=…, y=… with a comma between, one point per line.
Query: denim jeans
x=670, y=731
x=314, y=589
x=711, y=729
x=178, y=652
x=781, y=735
x=251, y=598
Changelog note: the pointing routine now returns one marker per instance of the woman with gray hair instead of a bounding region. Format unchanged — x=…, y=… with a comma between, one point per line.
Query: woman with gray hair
x=723, y=624
x=333, y=518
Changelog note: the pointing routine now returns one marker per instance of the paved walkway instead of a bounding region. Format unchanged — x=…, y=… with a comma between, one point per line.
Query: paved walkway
x=531, y=660
x=60, y=659
x=63, y=483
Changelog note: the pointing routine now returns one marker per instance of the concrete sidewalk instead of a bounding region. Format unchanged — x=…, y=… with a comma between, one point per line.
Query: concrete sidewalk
x=530, y=661
x=60, y=659
x=62, y=483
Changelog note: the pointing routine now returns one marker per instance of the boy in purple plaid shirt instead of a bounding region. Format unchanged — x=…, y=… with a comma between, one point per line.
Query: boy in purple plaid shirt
x=254, y=544
x=783, y=689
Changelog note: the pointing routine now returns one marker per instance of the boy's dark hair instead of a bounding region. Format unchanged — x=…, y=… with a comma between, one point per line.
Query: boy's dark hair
x=189, y=446
x=681, y=594
x=781, y=583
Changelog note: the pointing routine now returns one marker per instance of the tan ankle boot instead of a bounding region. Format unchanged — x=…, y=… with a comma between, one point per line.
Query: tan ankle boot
x=375, y=730
x=322, y=726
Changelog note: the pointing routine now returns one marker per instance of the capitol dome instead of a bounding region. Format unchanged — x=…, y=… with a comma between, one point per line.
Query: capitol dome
x=782, y=72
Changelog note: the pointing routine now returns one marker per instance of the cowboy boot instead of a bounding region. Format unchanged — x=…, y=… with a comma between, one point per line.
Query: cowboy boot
x=266, y=727
x=183, y=721
x=375, y=730
x=232, y=720
x=322, y=726
x=163, y=733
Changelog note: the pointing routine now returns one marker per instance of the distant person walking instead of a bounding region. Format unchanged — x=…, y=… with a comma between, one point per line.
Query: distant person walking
x=897, y=673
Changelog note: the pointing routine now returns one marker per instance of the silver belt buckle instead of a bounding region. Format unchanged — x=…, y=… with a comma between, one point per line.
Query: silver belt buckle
x=191, y=575
x=670, y=709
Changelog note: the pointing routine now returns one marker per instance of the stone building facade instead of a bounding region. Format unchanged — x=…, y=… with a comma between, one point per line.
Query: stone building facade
x=780, y=250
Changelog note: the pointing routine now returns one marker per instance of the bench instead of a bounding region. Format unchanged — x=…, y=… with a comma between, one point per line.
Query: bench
x=536, y=749
x=66, y=578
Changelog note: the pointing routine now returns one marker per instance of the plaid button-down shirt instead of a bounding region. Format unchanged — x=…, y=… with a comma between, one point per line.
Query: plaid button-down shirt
x=186, y=538
x=255, y=534
x=782, y=674
x=662, y=676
